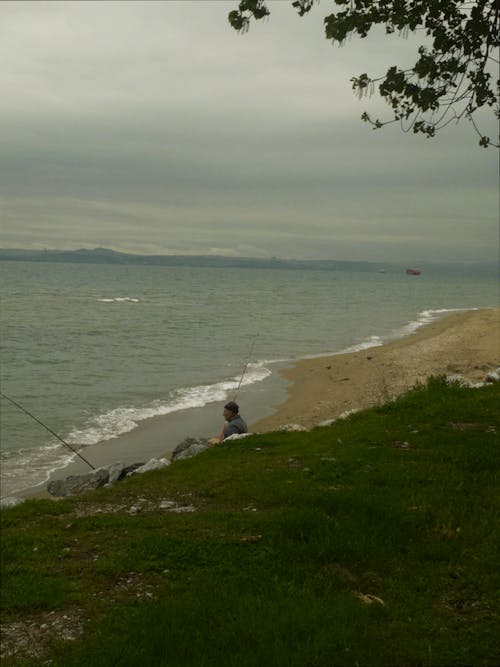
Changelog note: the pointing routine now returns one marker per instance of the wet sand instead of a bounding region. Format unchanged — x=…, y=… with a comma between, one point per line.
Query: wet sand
x=465, y=343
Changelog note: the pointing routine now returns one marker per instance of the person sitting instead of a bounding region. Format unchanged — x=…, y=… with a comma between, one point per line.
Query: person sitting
x=234, y=423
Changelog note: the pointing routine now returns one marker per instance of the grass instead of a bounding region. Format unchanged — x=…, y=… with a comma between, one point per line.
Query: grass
x=370, y=542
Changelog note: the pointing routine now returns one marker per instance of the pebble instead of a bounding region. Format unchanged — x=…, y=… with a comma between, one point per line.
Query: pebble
x=167, y=504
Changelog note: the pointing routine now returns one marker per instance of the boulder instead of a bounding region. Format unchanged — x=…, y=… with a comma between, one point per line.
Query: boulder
x=129, y=470
x=77, y=484
x=152, y=464
x=189, y=447
x=115, y=471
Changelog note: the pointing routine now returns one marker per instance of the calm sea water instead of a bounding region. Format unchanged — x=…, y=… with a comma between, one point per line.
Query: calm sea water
x=94, y=349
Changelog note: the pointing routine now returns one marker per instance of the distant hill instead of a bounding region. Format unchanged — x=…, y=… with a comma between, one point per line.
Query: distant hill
x=107, y=256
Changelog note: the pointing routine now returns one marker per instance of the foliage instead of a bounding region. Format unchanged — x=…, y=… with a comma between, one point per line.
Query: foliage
x=450, y=79
x=373, y=541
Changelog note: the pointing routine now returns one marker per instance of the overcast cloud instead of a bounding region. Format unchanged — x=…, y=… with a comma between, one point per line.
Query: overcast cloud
x=153, y=127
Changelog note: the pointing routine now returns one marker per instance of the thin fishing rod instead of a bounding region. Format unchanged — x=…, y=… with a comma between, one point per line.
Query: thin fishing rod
x=221, y=435
x=46, y=427
x=245, y=366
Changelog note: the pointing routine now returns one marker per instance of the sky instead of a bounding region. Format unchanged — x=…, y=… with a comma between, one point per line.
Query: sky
x=153, y=127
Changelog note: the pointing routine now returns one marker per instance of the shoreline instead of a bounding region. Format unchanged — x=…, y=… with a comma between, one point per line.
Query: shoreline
x=157, y=437
x=465, y=343
x=313, y=390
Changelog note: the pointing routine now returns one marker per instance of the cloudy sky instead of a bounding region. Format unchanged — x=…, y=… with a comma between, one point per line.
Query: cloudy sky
x=153, y=127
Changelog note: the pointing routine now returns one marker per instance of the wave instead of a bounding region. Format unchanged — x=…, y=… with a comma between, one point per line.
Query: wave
x=426, y=317
x=118, y=299
x=372, y=341
x=34, y=466
x=423, y=318
x=26, y=468
x=124, y=419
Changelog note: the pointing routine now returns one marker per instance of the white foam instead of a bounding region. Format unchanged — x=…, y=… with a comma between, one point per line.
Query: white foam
x=119, y=299
x=427, y=317
x=372, y=341
x=124, y=419
x=423, y=318
x=32, y=466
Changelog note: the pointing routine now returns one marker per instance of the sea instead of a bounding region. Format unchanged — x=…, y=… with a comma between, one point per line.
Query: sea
x=92, y=351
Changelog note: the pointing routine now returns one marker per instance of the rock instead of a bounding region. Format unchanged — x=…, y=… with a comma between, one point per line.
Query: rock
x=292, y=427
x=237, y=436
x=462, y=381
x=189, y=447
x=77, y=484
x=493, y=376
x=152, y=464
x=115, y=471
x=167, y=504
x=456, y=378
x=172, y=506
x=347, y=413
x=129, y=470
x=181, y=509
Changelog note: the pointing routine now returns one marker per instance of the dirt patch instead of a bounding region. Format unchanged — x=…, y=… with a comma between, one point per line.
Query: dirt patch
x=30, y=637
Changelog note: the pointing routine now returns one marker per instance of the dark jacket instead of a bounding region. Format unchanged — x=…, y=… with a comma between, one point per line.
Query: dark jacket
x=235, y=424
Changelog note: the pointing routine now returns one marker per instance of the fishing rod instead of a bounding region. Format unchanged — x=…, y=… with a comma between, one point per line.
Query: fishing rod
x=250, y=350
x=46, y=427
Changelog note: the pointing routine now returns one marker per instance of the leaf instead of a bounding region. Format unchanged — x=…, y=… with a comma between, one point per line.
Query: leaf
x=452, y=70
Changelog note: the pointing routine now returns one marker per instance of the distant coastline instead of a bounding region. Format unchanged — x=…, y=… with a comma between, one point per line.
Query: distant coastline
x=108, y=256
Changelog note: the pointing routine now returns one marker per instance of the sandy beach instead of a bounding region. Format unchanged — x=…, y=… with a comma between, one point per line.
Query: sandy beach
x=465, y=343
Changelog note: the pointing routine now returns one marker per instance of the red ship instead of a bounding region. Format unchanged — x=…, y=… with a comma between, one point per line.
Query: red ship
x=413, y=272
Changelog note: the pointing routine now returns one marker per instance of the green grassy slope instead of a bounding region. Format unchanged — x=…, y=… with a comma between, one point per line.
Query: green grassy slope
x=374, y=541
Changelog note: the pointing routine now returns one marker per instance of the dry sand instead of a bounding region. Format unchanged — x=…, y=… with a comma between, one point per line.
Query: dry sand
x=465, y=343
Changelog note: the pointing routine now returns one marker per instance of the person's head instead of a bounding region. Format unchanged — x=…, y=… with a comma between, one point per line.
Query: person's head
x=230, y=409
